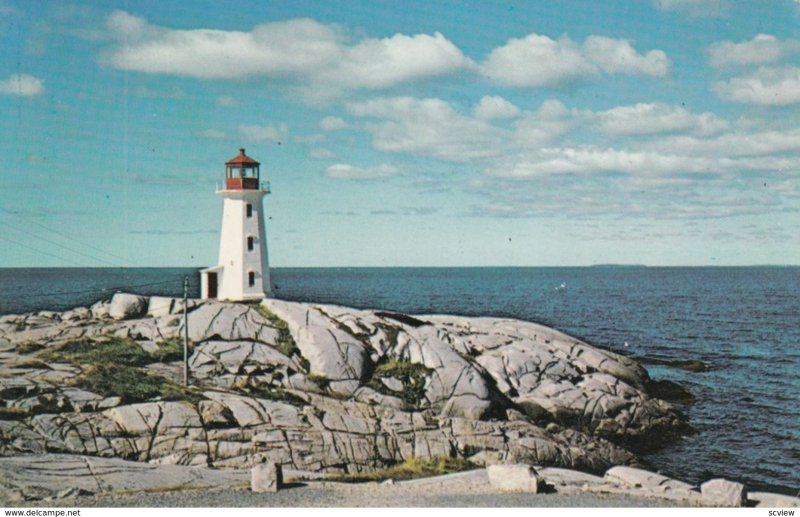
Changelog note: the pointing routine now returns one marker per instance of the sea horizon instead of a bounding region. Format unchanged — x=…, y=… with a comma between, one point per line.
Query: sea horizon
x=430, y=267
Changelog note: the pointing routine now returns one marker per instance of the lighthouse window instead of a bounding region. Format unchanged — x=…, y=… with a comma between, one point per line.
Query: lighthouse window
x=249, y=210
x=249, y=244
x=251, y=278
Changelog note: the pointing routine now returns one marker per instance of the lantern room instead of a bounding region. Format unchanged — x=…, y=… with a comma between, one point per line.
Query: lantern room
x=242, y=173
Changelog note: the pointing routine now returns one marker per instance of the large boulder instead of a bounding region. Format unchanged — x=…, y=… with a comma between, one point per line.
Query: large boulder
x=649, y=481
x=127, y=306
x=229, y=322
x=333, y=350
x=721, y=492
x=515, y=478
x=266, y=477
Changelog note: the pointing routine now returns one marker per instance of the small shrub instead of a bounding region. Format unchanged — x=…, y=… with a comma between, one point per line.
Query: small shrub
x=391, y=333
x=133, y=385
x=412, y=375
x=410, y=469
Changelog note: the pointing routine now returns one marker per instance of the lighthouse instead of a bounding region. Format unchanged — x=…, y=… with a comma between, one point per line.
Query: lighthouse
x=243, y=269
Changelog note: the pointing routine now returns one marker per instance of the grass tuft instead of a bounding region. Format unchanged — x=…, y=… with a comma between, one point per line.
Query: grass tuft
x=410, y=469
x=276, y=395
x=322, y=382
x=169, y=351
x=133, y=385
x=116, y=350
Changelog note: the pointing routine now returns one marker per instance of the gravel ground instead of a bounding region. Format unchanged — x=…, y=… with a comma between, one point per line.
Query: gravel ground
x=318, y=494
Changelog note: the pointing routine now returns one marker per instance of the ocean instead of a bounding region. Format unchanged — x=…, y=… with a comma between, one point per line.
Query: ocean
x=743, y=321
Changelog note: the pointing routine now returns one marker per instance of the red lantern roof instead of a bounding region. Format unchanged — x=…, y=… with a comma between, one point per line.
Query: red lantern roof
x=242, y=159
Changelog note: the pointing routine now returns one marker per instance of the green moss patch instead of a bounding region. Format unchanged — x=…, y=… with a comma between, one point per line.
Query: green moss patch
x=412, y=375
x=114, y=351
x=133, y=384
x=168, y=351
x=410, y=469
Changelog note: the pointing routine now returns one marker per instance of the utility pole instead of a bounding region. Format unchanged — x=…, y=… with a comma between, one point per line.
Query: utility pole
x=185, y=330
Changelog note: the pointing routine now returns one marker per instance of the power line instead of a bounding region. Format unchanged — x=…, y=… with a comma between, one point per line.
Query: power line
x=38, y=250
x=62, y=235
x=54, y=243
x=103, y=290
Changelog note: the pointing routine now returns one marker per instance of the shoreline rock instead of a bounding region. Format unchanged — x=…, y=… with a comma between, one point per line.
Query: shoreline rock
x=318, y=387
x=24, y=479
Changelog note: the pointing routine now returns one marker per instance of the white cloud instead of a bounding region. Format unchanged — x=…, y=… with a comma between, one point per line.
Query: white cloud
x=760, y=50
x=753, y=142
x=380, y=63
x=538, y=60
x=428, y=126
x=332, y=124
x=313, y=138
x=274, y=48
x=617, y=56
x=592, y=160
x=213, y=134
x=694, y=7
x=493, y=107
x=256, y=133
x=648, y=119
x=301, y=49
x=349, y=172
x=549, y=123
x=22, y=84
x=662, y=160
x=588, y=160
x=322, y=153
x=766, y=87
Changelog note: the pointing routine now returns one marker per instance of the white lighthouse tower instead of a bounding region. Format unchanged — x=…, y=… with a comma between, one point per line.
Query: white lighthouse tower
x=243, y=270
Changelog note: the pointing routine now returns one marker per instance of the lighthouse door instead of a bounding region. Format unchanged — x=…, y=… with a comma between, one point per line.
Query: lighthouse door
x=212, y=285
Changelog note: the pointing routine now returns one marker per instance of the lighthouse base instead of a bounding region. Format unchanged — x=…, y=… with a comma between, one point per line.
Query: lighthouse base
x=213, y=286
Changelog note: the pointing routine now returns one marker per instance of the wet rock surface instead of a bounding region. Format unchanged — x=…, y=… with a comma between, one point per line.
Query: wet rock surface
x=317, y=388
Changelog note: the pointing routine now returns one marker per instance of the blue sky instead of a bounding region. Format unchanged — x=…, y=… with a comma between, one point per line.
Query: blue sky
x=662, y=132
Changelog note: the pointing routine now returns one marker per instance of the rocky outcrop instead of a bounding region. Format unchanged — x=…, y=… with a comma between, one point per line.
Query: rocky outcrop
x=315, y=387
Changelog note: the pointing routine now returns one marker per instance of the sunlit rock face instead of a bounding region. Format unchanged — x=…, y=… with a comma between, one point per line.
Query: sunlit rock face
x=315, y=387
